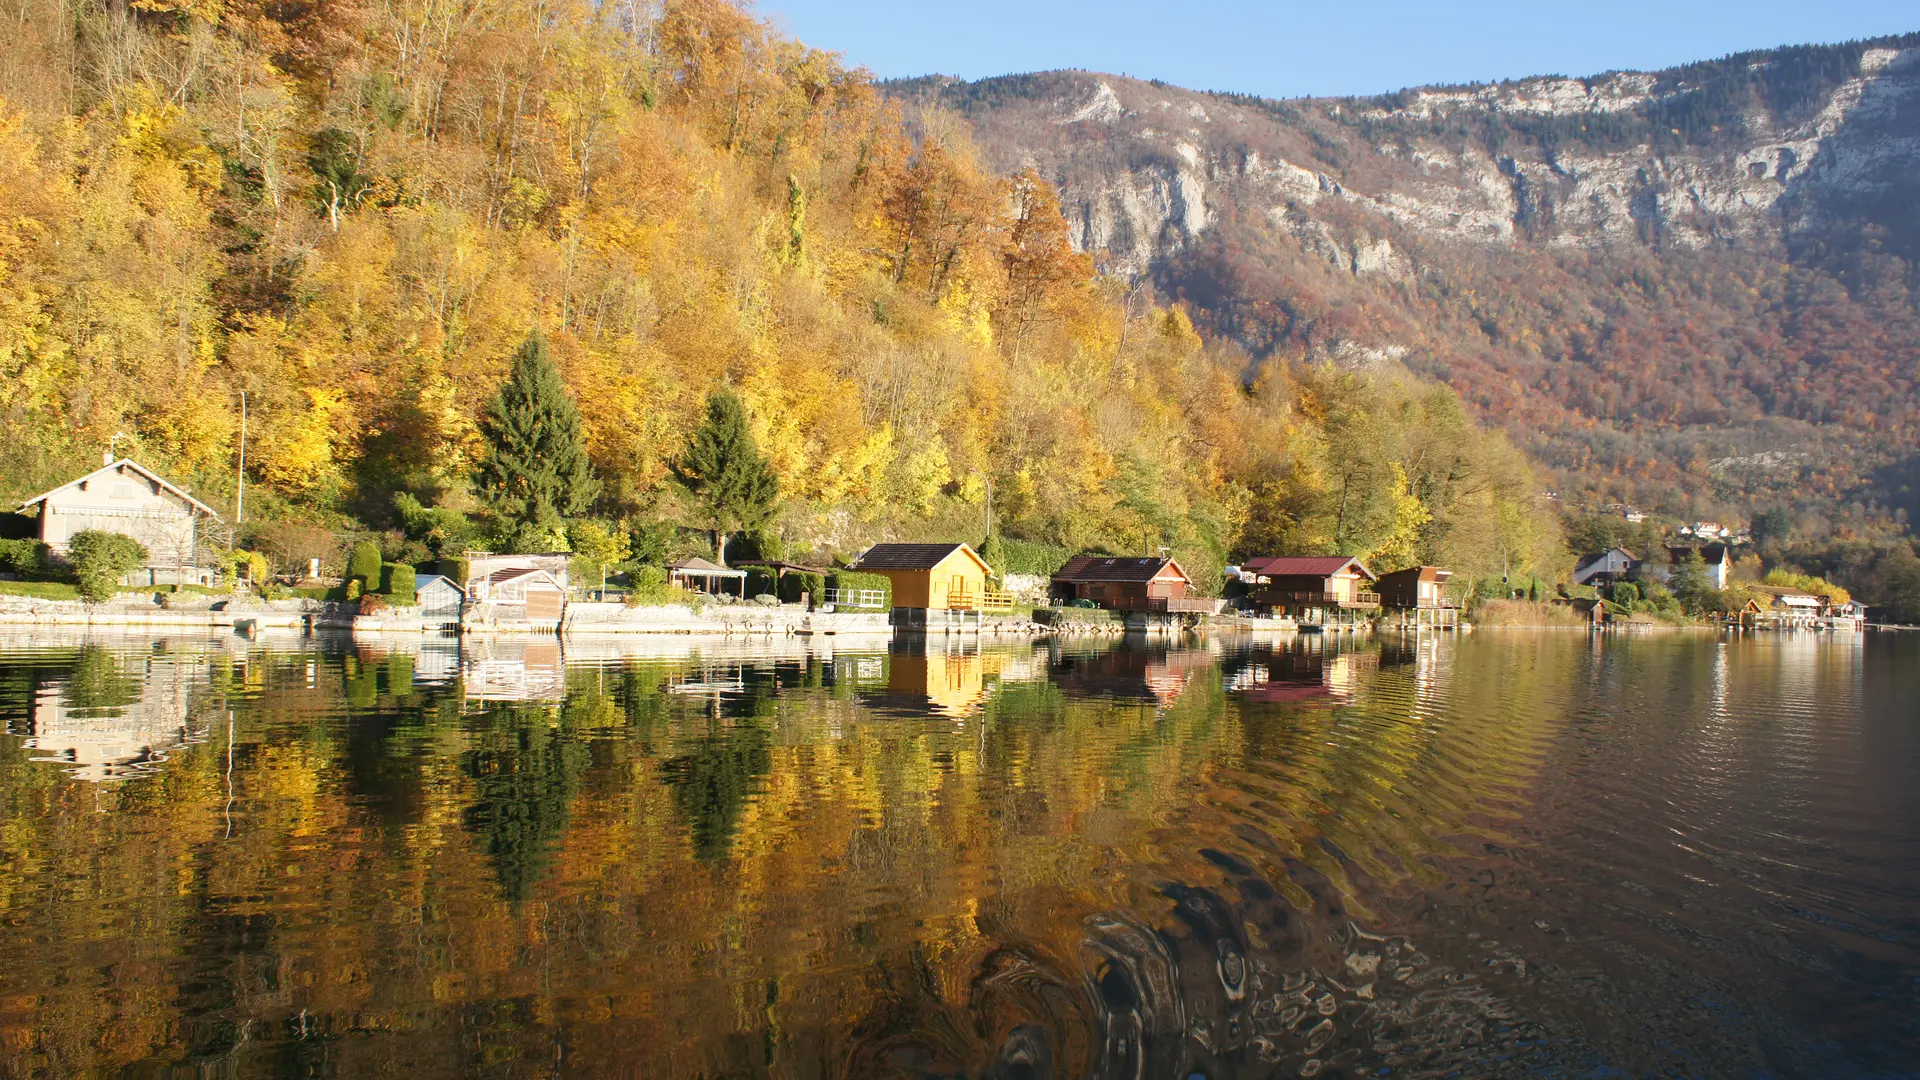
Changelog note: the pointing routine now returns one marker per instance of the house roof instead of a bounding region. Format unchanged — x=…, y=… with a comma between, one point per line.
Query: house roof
x=1589, y=560
x=128, y=463
x=1711, y=554
x=1304, y=566
x=912, y=556
x=425, y=581
x=1420, y=573
x=1105, y=568
x=698, y=567
x=513, y=573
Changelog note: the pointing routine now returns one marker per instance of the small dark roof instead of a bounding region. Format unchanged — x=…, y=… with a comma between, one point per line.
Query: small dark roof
x=1304, y=565
x=427, y=581
x=1107, y=568
x=911, y=556
x=1420, y=573
x=1711, y=554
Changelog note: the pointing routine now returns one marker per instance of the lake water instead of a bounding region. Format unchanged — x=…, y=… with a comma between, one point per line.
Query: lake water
x=1503, y=854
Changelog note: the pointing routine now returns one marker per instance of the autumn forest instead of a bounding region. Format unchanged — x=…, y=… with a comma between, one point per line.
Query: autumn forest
x=356, y=211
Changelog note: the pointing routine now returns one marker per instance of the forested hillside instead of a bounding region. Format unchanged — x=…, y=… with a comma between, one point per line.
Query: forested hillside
x=356, y=212
x=1694, y=290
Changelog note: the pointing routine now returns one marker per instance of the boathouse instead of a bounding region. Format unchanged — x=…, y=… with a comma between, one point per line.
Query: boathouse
x=439, y=597
x=1314, y=590
x=930, y=582
x=1418, y=595
x=1127, y=584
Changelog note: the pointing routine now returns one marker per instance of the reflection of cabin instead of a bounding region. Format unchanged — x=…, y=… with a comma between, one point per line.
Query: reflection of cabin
x=702, y=575
x=1315, y=589
x=1305, y=672
x=527, y=594
x=926, y=578
x=952, y=684
x=1717, y=557
x=438, y=597
x=128, y=498
x=1141, y=675
x=514, y=671
x=1605, y=568
x=1419, y=594
x=117, y=736
x=1127, y=584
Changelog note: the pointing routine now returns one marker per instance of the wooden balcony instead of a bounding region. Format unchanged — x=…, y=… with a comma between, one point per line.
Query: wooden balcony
x=1273, y=598
x=990, y=600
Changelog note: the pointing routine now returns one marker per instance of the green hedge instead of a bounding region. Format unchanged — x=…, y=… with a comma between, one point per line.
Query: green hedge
x=792, y=585
x=397, y=581
x=854, y=579
x=759, y=581
x=364, y=565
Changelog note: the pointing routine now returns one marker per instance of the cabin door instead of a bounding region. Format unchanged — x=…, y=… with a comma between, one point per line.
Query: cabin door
x=957, y=586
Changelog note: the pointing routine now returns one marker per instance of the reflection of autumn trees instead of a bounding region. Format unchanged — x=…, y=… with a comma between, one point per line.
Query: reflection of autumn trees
x=414, y=882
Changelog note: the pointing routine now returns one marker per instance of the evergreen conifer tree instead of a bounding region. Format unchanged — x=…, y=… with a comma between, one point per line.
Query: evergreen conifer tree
x=535, y=473
x=723, y=467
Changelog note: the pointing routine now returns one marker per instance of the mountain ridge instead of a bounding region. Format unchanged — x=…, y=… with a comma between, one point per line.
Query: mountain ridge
x=1734, y=239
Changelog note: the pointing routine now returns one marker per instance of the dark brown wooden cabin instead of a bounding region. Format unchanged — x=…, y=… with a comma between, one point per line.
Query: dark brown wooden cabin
x=1414, y=587
x=1312, y=588
x=1127, y=584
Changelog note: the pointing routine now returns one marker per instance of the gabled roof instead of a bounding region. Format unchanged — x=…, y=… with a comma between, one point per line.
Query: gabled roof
x=703, y=567
x=913, y=556
x=1420, y=573
x=128, y=463
x=428, y=580
x=1106, y=568
x=1304, y=566
x=1589, y=560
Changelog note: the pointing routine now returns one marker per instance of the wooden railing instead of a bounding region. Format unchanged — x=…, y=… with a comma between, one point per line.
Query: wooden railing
x=990, y=600
x=856, y=598
x=1322, y=599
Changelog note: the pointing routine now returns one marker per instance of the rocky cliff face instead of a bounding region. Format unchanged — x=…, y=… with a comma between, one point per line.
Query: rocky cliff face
x=1517, y=237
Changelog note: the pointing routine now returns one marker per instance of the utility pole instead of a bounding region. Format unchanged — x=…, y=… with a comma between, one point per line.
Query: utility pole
x=240, y=494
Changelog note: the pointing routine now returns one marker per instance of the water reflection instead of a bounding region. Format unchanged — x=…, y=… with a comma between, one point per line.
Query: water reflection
x=1425, y=855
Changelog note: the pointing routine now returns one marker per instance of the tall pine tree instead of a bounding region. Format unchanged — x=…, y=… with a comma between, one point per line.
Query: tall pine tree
x=723, y=467
x=535, y=473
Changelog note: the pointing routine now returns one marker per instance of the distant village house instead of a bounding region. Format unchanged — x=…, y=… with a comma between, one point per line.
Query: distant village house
x=1605, y=568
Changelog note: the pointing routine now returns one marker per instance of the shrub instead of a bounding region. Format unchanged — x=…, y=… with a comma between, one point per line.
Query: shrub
x=364, y=565
x=854, y=579
x=101, y=559
x=397, y=581
x=353, y=590
x=248, y=566
x=793, y=585
x=28, y=558
x=372, y=604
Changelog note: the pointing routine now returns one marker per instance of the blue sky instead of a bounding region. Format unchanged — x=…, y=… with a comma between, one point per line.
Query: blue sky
x=1326, y=47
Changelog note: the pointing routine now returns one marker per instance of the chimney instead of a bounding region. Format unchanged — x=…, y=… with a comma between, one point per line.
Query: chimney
x=106, y=456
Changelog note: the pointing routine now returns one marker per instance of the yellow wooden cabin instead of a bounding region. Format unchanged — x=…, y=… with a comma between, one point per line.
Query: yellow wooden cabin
x=932, y=577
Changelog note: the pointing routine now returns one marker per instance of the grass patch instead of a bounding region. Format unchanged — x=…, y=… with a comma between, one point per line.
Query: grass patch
x=1524, y=613
x=40, y=590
